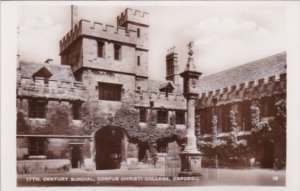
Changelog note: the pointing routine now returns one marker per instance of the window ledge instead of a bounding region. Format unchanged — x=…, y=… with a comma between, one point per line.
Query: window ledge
x=34, y=157
x=162, y=125
x=242, y=133
x=143, y=125
x=180, y=126
x=38, y=119
x=76, y=121
x=205, y=136
x=162, y=154
x=224, y=134
x=267, y=119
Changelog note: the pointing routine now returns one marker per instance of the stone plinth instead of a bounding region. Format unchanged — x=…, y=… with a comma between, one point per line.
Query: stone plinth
x=190, y=164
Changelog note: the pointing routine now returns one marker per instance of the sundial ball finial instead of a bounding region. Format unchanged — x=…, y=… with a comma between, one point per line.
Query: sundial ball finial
x=190, y=46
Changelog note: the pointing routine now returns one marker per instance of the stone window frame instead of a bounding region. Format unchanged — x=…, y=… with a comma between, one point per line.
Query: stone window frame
x=138, y=60
x=143, y=115
x=117, y=52
x=267, y=106
x=162, y=116
x=180, y=117
x=100, y=49
x=37, y=108
x=245, y=109
x=110, y=91
x=138, y=32
x=226, y=126
x=206, y=120
x=76, y=109
x=37, y=146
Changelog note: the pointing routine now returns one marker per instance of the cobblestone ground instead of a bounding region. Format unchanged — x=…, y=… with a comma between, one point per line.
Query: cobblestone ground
x=154, y=177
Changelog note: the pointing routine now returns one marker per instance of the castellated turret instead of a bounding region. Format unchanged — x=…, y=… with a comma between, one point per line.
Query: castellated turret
x=137, y=21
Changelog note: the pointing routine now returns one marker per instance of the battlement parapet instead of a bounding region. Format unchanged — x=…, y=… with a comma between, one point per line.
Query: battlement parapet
x=61, y=90
x=98, y=30
x=144, y=95
x=266, y=86
x=135, y=16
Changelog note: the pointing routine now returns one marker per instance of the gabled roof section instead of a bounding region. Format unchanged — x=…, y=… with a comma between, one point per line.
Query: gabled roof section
x=166, y=85
x=43, y=72
x=58, y=72
x=259, y=69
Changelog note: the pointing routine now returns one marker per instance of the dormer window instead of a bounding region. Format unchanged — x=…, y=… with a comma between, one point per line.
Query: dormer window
x=167, y=87
x=44, y=74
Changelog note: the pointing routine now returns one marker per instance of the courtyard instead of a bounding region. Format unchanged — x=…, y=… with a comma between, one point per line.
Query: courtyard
x=156, y=177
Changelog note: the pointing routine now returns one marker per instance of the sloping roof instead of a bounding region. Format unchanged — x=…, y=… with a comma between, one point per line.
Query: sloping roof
x=43, y=72
x=59, y=72
x=167, y=84
x=259, y=69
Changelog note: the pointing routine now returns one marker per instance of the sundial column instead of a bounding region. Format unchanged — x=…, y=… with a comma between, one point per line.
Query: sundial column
x=190, y=157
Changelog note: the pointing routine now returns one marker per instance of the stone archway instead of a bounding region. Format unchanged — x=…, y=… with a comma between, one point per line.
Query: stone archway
x=109, y=148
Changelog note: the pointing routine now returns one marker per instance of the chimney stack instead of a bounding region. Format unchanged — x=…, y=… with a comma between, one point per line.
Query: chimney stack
x=172, y=67
x=74, y=15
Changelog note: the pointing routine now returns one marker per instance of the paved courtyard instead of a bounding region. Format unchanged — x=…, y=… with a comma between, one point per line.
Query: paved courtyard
x=155, y=177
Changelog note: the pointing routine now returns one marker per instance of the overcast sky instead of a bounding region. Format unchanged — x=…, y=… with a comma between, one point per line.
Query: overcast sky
x=225, y=36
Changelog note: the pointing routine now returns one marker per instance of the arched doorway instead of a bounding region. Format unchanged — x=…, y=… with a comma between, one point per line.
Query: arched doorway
x=76, y=157
x=108, y=148
x=267, y=157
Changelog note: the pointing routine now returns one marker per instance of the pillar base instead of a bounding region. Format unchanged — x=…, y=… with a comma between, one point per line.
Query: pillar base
x=123, y=165
x=190, y=163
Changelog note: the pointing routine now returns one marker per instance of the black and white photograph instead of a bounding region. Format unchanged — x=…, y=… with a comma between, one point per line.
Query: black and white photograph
x=151, y=95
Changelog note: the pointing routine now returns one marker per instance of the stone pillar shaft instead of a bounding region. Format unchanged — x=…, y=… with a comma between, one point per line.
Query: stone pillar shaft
x=191, y=137
x=124, y=144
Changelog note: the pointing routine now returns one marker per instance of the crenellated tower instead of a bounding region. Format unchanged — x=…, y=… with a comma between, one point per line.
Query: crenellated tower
x=105, y=54
x=138, y=21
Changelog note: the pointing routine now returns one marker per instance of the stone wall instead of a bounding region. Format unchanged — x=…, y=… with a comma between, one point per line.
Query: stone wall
x=59, y=90
x=22, y=148
x=73, y=56
x=126, y=64
x=56, y=147
x=42, y=166
x=91, y=78
x=51, y=111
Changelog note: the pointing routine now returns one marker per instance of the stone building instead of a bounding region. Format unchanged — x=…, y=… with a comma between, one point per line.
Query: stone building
x=65, y=112
x=247, y=103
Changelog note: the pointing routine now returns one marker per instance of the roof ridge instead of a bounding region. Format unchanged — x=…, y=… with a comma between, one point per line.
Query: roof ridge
x=247, y=63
